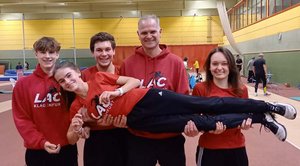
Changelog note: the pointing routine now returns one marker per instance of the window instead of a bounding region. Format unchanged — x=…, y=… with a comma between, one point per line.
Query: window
x=278, y=5
x=250, y=11
x=238, y=20
x=272, y=9
x=264, y=8
x=258, y=10
x=295, y=2
x=241, y=16
x=253, y=11
x=244, y=15
x=286, y=4
x=231, y=21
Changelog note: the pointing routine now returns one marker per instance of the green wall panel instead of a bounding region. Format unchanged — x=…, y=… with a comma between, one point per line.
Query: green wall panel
x=285, y=66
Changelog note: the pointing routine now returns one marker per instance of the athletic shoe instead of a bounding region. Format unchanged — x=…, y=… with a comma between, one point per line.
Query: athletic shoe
x=276, y=128
x=267, y=94
x=255, y=94
x=286, y=110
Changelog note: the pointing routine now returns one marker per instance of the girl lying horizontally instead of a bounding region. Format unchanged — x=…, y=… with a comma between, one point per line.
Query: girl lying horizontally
x=157, y=110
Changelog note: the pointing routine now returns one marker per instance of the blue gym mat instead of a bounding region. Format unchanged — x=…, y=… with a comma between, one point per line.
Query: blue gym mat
x=6, y=78
x=295, y=98
x=13, y=74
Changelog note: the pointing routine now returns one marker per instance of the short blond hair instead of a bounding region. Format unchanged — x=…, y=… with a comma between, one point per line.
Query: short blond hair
x=148, y=17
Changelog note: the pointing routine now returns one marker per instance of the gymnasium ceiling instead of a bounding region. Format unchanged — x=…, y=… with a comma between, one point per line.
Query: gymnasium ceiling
x=48, y=9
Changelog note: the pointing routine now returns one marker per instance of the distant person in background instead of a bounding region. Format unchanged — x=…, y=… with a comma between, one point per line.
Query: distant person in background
x=26, y=65
x=199, y=78
x=250, y=70
x=198, y=74
x=19, y=70
x=239, y=62
x=260, y=73
x=185, y=63
x=19, y=66
x=196, y=66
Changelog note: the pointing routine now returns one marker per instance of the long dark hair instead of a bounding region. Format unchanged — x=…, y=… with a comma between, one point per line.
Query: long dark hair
x=234, y=75
x=67, y=96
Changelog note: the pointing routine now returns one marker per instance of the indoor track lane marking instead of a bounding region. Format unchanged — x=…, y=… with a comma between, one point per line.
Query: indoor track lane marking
x=5, y=83
x=5, y=106
x=291, y=125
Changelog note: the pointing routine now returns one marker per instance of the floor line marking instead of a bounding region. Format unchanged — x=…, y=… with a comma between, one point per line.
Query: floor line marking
x=296, y=146
x=5, y=106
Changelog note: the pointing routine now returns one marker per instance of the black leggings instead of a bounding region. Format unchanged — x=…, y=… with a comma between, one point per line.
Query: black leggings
x=66, y=156
x=106, y=147
x=221, y=157
x=166, y=111
x=259, y=77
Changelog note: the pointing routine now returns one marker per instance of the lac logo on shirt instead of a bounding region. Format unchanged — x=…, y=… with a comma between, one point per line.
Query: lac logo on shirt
x=157, y=81
x=101, y=108
x=51, y=99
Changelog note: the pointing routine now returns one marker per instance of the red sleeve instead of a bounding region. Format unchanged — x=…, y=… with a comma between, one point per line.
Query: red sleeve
x=245, y=92
x=182, y=80
x=106, y=78
x=75, y=106
x=199, y=89
x=89, y=73
x=23, y=119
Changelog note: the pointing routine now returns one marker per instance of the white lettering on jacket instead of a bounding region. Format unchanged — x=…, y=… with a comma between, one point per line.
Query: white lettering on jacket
x=158, y=83
x=50, y=100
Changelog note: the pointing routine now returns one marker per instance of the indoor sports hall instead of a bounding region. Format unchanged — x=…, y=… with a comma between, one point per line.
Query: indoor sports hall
x=190, y=28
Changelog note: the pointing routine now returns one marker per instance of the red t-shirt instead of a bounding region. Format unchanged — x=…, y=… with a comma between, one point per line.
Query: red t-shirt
x=231, y=138
x=118, y=106
x=89, y=74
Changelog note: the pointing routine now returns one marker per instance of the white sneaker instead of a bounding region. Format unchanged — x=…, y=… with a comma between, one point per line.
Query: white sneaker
x=286, y=110
x=276, y=128
x=255, y=94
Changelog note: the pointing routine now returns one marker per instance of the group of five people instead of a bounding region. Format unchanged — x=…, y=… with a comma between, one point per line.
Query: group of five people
x=136, y=118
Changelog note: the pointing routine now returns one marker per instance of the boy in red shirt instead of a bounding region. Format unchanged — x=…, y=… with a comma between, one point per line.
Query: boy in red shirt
x=40, y=114
x=106, y=144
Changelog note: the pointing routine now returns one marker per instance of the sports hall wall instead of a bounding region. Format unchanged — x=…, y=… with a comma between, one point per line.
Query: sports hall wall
x=278, y=37
x=186, y=36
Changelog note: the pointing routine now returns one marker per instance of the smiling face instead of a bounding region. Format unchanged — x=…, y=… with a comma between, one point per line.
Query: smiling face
x=149, y=33
x=46, y=59
x=69, y=79
x=47, y=52
x=219, y=66
x=103, y=54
